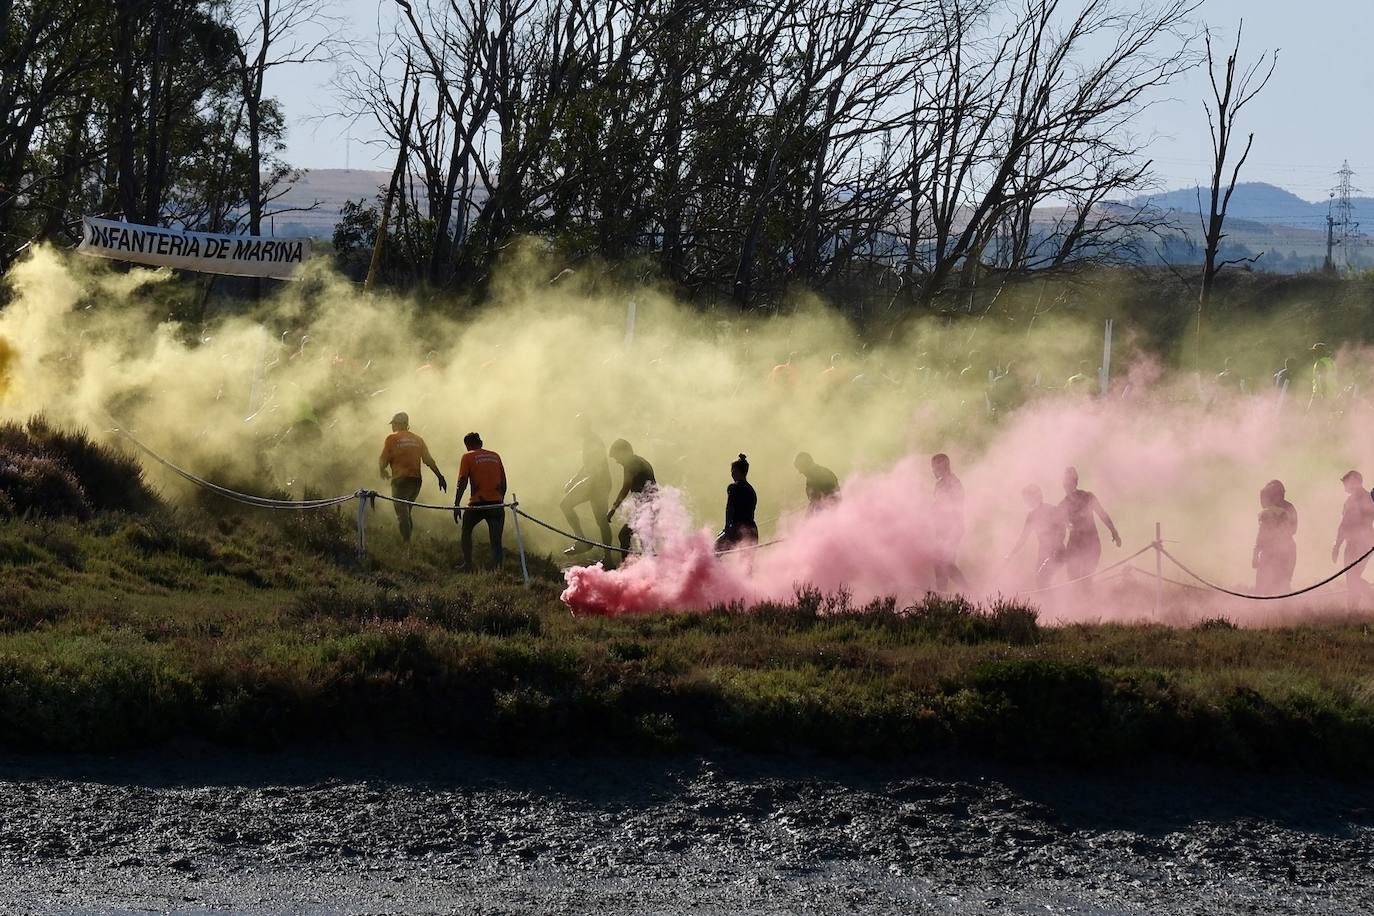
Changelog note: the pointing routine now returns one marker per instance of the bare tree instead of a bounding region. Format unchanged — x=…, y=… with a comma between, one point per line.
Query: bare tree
x=1232, y=90
x=270, y=35
x=1031, y=118
x=750, y=145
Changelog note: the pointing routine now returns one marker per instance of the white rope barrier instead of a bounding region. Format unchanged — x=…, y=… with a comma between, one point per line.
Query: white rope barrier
x=570, y=535
x=248, y=499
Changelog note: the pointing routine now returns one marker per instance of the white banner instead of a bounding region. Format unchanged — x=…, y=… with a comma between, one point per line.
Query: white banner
x=235, y=255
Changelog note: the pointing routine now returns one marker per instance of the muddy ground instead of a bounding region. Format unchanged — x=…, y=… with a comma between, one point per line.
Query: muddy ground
x=192, y=830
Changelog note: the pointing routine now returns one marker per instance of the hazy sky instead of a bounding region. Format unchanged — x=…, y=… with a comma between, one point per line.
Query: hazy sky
x=1314, y=114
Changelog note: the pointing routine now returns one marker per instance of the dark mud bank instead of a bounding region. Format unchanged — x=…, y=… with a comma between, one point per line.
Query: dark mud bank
x=405, y=833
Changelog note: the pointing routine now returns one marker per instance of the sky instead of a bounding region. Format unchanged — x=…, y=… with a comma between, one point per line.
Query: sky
x=1312, y=116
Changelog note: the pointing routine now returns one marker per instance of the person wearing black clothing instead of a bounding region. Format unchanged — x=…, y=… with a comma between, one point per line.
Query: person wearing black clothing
x=1046, y=524
x=740, y=503
x=639, y=480
x=948, y=517
x=591, y=485
x=822, y=486
x=1276, y=551
x=1356, y=533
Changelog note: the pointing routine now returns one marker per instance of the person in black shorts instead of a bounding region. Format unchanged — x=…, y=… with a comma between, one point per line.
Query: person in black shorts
x=740, y=502
x=1083, y=548
x=639, y=480
x=590, y=485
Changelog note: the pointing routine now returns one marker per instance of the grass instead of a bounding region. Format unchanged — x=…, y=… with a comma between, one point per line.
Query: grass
x=125, y=631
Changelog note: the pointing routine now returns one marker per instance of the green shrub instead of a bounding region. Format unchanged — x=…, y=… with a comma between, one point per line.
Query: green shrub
x=956, y=618
x=36, y=484
x=113, y=481
x=1214, y=623
x=494, y=615
x=47, y=471
x=1035, y=709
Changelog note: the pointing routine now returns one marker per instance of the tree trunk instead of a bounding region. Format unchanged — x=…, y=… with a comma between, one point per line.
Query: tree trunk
x=152, y=191
x=127, y=194
x=70, y=165
x=811, y=239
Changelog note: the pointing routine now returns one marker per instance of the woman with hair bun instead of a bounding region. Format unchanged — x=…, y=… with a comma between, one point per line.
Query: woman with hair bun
x=740, y=503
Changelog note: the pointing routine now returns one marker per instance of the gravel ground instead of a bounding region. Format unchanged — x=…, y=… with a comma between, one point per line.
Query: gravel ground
x=191, y=830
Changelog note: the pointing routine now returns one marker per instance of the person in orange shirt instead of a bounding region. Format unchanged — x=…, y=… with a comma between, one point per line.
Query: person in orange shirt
x=400, y=463
x=484, y=470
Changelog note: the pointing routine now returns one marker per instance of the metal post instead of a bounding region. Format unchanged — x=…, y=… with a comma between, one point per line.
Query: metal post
x=1159, y=569
x=361, y=497
x=519, y=541
x=1105, y=378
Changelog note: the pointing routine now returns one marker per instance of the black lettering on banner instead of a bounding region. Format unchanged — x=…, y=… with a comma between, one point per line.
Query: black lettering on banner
x=174, y=246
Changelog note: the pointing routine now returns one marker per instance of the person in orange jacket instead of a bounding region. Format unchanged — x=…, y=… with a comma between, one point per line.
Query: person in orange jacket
x=402, y=456
x=483, y=469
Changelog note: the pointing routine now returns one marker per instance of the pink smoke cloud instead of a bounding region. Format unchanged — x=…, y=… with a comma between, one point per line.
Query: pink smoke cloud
x=1194, y=465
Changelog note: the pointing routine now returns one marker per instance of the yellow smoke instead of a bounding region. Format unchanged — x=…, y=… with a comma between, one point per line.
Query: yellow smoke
x=297, y=393
x=8, y=358
x=689, y=389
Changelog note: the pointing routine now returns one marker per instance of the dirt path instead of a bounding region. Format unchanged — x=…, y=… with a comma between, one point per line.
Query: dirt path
x=418, y=832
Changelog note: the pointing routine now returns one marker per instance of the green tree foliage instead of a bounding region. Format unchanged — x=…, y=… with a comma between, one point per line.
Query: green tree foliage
x=133, y=109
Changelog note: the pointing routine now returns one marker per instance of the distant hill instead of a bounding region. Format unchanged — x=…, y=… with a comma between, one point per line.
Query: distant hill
x=326, y=190
x=1263, y=217
x=1260, y=202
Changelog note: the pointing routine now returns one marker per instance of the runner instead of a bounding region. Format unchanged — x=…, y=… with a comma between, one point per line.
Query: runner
x=822, y=486
x=402, y=454
x=591, y=485
x=1083, y=549
x=1046, y=524
x=1356, y=533
x=1276, y=552
x=483, y=468
x=639, y=480
x=740, y=503
x=1323, y=374
x=947, y=516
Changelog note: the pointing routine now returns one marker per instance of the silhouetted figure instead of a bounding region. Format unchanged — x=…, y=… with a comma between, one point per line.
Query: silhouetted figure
x=822, y=486
x=1356, y=534
x=639, y=480
x=948, y=517
x=591, y=485
x=1227, y=377
x=1080, y=381
x=1323, y=373
x=483, y=469
x=1046, y=524
x=1284, y=375
x=740, y=504
x=783, y=377
x=1276, y=551
x=1083, y=549
x=402, y=454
